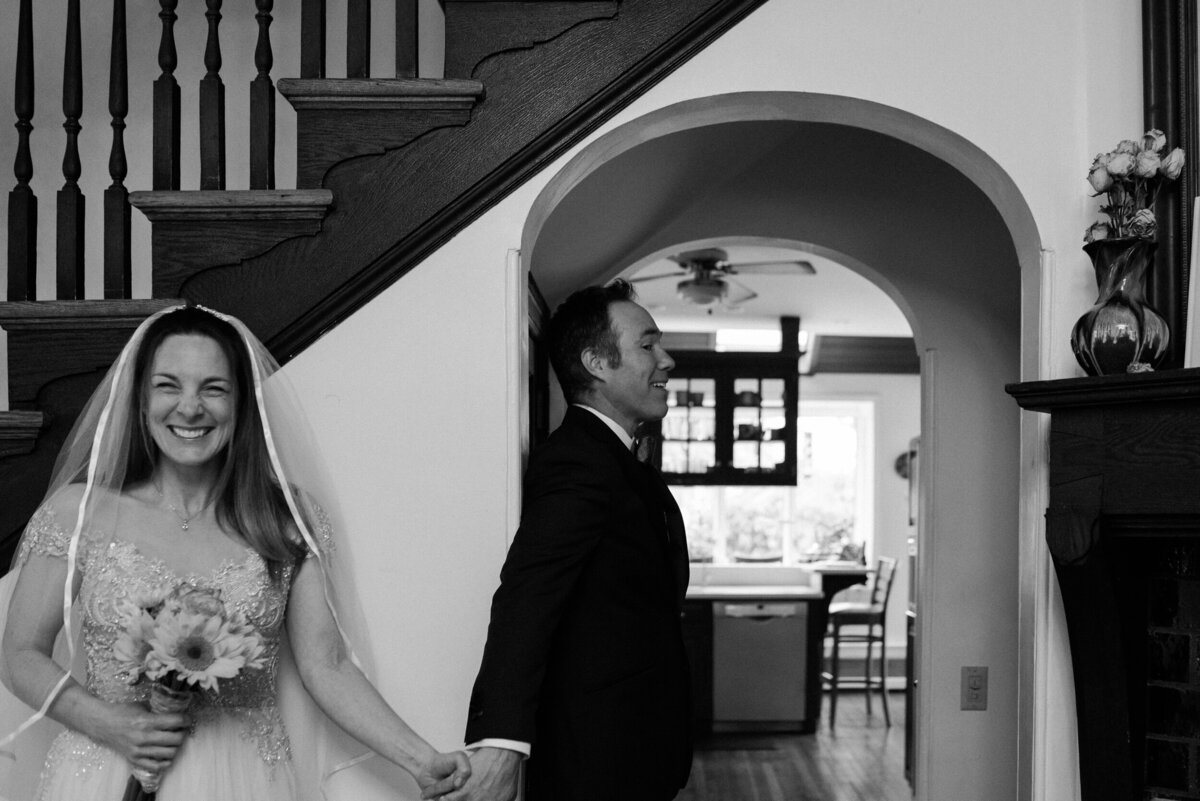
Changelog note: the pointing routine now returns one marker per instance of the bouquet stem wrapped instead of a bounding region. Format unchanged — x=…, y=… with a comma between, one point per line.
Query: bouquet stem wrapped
x=166, y=695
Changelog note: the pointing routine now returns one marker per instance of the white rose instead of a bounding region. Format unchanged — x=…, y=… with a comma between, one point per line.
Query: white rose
x=1120, y=165
x=1097, y=231
x=1099, y=178
x=1146, y=164
x=1172, y=164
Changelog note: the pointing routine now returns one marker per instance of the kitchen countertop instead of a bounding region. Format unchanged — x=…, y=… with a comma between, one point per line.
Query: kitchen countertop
x=753, y=592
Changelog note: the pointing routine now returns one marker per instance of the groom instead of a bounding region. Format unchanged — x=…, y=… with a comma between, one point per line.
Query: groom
x=584, y=669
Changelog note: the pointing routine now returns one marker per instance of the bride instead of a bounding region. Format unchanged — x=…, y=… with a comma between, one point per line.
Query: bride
x=189, y=476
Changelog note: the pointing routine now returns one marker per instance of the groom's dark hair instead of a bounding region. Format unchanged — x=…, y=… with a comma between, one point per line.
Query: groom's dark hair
x=580, y=323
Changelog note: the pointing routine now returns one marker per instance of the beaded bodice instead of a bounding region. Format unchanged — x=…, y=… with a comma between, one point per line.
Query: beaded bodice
x=116, y=572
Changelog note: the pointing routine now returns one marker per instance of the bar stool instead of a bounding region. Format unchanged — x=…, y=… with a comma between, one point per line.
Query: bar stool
x=867, y=622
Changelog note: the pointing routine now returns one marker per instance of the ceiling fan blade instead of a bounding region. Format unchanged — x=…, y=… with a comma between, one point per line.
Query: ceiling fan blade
x=773, y=268
x=738, y=293
x=656, y=277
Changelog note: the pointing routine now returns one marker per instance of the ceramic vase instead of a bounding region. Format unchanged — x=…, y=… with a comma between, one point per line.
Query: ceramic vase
x=1120, y=333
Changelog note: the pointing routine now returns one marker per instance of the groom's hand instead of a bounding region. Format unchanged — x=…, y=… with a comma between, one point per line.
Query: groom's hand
x=494, y=773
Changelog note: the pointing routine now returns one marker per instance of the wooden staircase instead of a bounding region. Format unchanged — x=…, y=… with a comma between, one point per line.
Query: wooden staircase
x=388, y=170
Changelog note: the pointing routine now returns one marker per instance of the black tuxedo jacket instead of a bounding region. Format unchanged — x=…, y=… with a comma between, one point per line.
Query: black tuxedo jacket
x=584, y=656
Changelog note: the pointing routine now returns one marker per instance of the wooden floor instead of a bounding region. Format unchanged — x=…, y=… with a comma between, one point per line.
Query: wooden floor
x=862, y=761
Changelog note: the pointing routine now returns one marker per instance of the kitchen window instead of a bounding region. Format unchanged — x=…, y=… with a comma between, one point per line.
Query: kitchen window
x=828, y=514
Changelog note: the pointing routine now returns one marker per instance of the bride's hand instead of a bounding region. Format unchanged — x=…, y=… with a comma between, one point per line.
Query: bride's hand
x=146, y=739
x=443, y=773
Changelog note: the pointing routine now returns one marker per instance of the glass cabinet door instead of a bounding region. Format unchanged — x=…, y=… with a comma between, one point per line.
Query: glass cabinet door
x=690, y=427
x=759, y=425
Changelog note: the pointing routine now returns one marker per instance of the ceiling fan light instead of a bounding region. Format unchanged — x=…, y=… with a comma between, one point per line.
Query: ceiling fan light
x=701, y=293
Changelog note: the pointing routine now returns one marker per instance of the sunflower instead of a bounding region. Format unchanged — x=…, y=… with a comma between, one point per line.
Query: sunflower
x=199, y=649
x=133, y=644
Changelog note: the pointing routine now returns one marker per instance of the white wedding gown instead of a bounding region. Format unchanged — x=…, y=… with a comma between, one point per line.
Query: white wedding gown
x=238, y=748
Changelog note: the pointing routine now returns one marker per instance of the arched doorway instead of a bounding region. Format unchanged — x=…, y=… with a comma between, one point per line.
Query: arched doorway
x=935, y=223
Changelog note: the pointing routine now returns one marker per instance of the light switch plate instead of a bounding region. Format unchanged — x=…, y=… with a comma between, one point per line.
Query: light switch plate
x=974, y=688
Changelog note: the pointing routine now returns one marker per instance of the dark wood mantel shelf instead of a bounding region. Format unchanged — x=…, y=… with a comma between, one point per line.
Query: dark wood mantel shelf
x=1045, y=396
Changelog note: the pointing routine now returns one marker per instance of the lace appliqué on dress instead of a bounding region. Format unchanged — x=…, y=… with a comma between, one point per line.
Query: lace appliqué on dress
x=75, y=749
x=44, y=537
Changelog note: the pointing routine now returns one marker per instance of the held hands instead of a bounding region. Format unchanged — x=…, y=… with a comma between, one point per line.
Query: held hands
x=443, y=773
x=149, y=741
x=493, y=778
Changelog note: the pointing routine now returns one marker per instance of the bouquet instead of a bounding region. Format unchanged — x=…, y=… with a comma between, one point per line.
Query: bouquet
x=185, y=641
x=1131, y=176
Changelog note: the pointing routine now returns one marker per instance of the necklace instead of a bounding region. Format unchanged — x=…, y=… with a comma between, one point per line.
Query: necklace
x=184, y=520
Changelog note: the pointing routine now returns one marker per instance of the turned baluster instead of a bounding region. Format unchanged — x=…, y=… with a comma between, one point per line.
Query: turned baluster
x=22, y=203
x=358, y=38
x=118, y=273
x=262, y=105
x=212, y=107
x=312, y=38
x=407, y=32
x=69, y=241
x=166, y=104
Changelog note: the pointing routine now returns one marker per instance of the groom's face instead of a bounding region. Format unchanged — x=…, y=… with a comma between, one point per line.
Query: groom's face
x=635, y=387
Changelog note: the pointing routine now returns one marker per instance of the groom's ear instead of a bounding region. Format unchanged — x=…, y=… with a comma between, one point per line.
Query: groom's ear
x=594, y=363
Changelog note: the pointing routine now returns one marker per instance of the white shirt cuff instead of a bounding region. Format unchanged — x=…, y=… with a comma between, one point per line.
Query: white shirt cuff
x=495, y=742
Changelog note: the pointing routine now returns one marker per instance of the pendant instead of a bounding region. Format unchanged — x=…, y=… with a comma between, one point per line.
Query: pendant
x=184, y=525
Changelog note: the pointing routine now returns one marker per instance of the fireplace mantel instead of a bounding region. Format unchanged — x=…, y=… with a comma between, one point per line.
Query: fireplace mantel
x=1123, y=528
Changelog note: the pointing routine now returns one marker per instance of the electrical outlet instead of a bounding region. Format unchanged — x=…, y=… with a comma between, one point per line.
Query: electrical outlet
x=974, y=688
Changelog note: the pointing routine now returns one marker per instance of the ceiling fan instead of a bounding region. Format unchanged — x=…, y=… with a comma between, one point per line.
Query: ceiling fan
x=708, y=280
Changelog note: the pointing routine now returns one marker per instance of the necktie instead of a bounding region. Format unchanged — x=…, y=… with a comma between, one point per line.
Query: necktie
x=644, y=448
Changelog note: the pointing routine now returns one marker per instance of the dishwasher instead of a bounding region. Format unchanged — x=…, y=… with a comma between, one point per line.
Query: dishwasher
x=759, y=665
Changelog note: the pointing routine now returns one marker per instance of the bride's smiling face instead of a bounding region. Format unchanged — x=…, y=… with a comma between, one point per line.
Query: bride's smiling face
x=190, y=399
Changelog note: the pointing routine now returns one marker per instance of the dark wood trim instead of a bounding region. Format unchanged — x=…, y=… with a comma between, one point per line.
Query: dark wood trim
x=50, y=340
x=192, y=230
x=408, y=36
x=477, y=31
x=342, y=119
x=1046, y=396
x=22, y=203
x=19, y=432
x=1169, y=64
x=539, y=310
x=312, y=38
x=233, y=205
x=358, y=39
x=262, y=103
x=118, y=248
x=876, y=355
x=555, y=140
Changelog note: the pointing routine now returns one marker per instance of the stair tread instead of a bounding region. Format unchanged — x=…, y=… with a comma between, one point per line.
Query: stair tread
x=78, y=313
x=420, y=87
x=380, y=93
x=232, y=204
x=20, y=420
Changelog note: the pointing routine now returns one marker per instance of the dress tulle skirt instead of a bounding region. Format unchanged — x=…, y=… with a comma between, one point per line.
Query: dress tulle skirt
x=218, y=762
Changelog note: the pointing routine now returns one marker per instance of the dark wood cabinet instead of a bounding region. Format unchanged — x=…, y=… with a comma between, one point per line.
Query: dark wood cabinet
x=731, y=419
x=698, y=642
